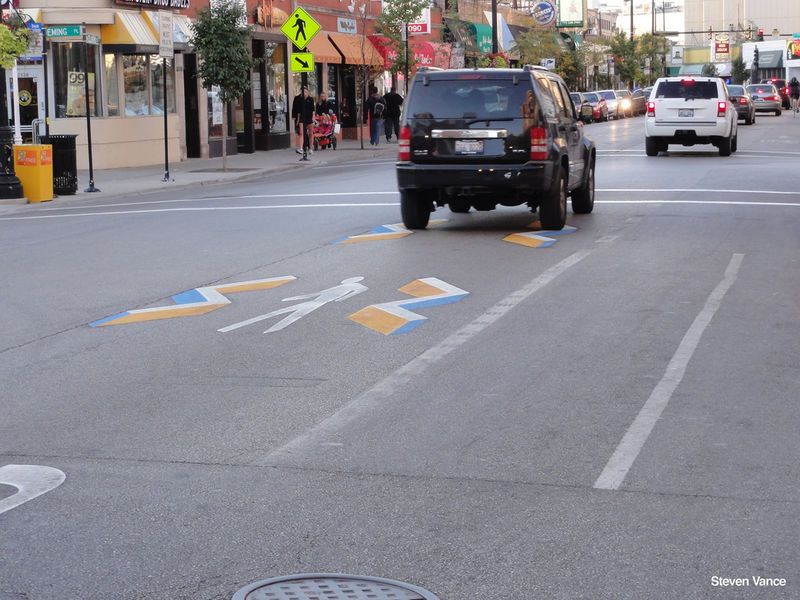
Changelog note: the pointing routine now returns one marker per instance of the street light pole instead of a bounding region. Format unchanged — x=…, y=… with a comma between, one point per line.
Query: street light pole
x=631, y=1
x=494, y=26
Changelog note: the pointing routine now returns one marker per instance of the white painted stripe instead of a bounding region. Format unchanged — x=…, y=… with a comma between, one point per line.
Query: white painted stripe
x=634, y=439
x=699, y=191
x=739, y=152
x=366, y=204
x=30, y=480
x=308, y=195
x=372, y=398
x=200, y=209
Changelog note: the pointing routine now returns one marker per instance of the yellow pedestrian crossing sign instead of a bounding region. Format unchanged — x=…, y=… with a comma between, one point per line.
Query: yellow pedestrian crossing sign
x=300, y=28
x=302, y=62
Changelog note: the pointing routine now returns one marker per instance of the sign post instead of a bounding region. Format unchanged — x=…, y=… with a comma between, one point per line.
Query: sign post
x=86, y=42
x=300, y=28
x=166, y=50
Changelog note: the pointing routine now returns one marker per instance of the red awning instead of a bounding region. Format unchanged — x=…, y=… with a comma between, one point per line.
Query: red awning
x=383, y=46
x=424, y=53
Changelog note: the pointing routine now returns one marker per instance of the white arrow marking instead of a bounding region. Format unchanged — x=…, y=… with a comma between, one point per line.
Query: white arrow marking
x=30, y=480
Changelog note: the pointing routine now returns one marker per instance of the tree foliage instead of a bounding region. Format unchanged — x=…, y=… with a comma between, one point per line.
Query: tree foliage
x=14, y=38
x=739, y=71
x=536, y=45
x=222, y=41
x=709, y=70
x=391, y=23
x=626, y=59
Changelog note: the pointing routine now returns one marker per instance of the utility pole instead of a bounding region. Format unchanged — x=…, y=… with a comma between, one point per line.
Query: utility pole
x=494, y=26
x=631, y=1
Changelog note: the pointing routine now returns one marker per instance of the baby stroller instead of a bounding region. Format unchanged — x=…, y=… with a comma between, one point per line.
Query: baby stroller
x=325, y=131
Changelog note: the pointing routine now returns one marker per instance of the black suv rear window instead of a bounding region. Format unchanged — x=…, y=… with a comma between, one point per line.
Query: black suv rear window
x=687, y=88
x=472, y=99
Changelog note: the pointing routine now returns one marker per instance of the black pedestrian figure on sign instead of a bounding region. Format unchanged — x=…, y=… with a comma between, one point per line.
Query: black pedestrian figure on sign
x=300, y=25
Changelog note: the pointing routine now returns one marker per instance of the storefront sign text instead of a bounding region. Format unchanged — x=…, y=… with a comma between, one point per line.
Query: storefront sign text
x=344, y=25
x=544, y=13
x=175, y=4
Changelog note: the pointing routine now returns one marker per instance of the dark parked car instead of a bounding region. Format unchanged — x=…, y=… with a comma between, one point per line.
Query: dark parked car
x=639, y=102
x=583, y=110
x=476, y=138
x=783, y=90
x=598, y=104
x=743, y=102
x=766, y=98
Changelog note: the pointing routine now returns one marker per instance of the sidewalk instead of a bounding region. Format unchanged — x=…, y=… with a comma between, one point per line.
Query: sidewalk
x=198, y=172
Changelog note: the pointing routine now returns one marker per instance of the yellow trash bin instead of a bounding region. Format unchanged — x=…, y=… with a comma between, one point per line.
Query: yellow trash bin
x=33, y=165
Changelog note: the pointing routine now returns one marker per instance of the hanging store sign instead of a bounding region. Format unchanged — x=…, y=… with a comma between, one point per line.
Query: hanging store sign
x=345, y=25
x=158, y=4
x=544, y=13
x=793, y=49
x=35, y=43
x=422, y=25
x=570, y=13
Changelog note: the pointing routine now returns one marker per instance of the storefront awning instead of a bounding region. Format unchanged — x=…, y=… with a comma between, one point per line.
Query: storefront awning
x=324, y=51
x=483, y=37
x=463, y=34
x=384, y=47
x=770, y=59
x=424, y=53
x=130, y=29
x=350, y=46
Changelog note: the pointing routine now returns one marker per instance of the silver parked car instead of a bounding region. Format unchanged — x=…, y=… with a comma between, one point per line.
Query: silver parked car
x=612, y=102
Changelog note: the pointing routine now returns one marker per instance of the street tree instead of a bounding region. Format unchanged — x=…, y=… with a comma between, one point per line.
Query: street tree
x=739, y=71
x=14, y=38
x=221, y=36
x=626, y=60
x=536, y=45
x=391, y=23
x=651, y=49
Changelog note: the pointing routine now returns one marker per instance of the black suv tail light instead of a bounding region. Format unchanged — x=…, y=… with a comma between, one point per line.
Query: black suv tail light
x=539, y=143
x=404, y=144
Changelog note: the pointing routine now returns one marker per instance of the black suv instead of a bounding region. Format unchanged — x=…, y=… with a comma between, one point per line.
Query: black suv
x=476, y=138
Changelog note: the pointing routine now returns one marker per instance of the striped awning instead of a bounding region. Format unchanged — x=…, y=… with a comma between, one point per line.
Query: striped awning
x=129, y=29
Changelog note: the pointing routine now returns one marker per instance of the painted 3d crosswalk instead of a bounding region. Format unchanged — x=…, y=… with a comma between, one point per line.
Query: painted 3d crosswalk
x=385, y=232
x=538, y=239
x=392, y=318
x=198, y=301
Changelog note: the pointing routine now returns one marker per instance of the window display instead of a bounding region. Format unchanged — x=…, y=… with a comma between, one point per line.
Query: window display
x=68, y=75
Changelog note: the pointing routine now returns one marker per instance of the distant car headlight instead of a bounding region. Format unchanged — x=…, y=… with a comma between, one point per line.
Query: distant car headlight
x=626, y=103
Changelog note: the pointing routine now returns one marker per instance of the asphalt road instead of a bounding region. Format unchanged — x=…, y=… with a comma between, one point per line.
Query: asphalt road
x=614, y=416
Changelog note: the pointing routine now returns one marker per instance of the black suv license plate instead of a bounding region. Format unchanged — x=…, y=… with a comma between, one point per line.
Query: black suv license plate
x=469, y=146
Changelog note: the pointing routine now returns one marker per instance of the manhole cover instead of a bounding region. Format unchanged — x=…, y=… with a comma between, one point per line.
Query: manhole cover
x=325, y=586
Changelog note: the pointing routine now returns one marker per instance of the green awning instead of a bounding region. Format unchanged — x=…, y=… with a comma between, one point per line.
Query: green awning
x=483, y=37
x=770, y=59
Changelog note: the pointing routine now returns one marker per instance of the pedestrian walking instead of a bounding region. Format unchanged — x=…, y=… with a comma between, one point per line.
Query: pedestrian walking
x=303, y=116
x=393, y=102
x=376, y=110
x=794, y=92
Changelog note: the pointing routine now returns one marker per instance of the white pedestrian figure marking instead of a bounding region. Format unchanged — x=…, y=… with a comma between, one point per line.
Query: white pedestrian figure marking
x=347, y=289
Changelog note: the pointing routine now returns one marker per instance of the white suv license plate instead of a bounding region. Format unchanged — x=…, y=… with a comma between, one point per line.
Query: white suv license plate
x=686, y=112
x=469, y=146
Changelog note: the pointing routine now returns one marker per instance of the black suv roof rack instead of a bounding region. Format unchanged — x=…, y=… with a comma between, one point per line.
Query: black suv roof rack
x=535, y=68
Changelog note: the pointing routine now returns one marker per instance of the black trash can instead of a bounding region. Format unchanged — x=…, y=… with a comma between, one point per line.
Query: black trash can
x=65, y=163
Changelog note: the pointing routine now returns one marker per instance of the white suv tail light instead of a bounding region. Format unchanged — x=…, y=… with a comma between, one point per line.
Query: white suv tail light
x=722, y=108
x=539, y=143
x=404, y=144
x=651, y=109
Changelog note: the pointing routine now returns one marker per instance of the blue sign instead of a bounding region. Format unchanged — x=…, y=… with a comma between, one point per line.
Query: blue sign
x=544, y=13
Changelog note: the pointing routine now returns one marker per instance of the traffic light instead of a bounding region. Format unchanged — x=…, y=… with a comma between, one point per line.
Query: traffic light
x=760, y=36
x=755, y=58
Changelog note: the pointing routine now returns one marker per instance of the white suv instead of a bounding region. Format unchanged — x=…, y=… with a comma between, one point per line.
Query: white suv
x=689, y=111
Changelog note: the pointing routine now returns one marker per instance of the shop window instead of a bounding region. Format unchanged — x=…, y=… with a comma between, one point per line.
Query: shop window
x=68, y=70
x=135, y=76
x=157, y=85
x=112, y=85
x=276, y=88
x=216, y=110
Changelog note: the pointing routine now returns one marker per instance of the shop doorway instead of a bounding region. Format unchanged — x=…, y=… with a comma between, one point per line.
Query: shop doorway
x=31, y=97
x=192, y=106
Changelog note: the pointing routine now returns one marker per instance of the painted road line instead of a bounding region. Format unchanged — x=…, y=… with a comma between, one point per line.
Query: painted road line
x=538, y=239
x=384, y=232
x=202, y=209
x=367, y=205
x=697, y=191
x=634, y=439
x=217, y=198
x=31, y=481
x=198, y=301
x=371, y=399
x=392, y=318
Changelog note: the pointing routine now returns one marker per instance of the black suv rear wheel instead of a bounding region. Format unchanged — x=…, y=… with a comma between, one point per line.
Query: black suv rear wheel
x=415, y=208
x=553, y=209
x=583, y=197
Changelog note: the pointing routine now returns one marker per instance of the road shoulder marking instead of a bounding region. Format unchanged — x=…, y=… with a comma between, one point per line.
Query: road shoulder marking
x=31, y=482
x=634, y=439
